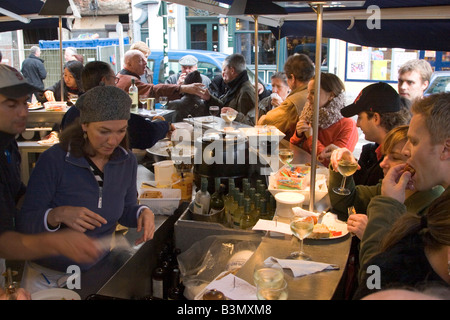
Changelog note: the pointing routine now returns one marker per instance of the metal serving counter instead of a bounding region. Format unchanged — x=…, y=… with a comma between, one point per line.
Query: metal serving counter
x=126, y=271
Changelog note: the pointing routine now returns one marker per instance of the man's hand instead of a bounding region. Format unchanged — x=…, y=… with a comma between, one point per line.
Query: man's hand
x=396, y=182
x=341, y=154
x=197, y=89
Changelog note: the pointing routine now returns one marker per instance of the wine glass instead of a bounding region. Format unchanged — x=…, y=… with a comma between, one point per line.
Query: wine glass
x=163, y=101
x=231, y=115
x=143, y=101
x=301, y=227
x=269, y=275
x=286, y=156
x=264, y=293
x=346, y=168
x=214, y=111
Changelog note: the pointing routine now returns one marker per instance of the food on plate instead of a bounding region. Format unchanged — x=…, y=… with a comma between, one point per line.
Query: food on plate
x=55, y=106
x=410, y=169
x=50, y=139
x=151, y=194
x=322, y=231
x=34, y=105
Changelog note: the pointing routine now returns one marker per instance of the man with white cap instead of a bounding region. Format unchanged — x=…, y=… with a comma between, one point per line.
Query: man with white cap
x=14, y=93
x=188, y=64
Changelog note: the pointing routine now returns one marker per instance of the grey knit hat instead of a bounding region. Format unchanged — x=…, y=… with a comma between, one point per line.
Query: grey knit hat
x=104, y=103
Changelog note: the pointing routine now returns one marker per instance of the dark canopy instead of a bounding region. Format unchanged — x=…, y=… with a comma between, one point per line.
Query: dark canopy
x=411, y=24
x=28, y=9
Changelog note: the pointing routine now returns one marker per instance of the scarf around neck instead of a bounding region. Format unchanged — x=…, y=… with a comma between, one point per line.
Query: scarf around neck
x=329, y=114
x=233, y=86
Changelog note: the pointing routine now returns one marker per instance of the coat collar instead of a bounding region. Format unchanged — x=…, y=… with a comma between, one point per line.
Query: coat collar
x=119, y=155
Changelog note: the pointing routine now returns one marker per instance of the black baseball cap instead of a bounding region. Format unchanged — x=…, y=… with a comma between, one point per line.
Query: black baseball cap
x=378, y=97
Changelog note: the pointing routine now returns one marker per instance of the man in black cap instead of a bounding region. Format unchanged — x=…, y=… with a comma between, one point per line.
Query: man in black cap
x=14, y=93
x=380, y=109
x=188, y=64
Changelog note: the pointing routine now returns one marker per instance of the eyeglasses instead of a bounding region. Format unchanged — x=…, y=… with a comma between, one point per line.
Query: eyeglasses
x=116, y=79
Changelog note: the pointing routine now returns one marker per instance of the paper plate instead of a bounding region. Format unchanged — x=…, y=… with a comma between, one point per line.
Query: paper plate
x=55, y=294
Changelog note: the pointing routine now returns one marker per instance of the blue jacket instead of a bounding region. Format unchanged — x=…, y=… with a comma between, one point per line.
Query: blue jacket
x=11, y=186
x=60, y=179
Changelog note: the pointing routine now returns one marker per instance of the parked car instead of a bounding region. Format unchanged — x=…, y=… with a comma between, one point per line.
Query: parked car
x=209, y=64
x=440, y=82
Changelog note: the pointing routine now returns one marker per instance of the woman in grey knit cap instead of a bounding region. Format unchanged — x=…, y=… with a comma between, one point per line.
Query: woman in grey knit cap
x=86, y=183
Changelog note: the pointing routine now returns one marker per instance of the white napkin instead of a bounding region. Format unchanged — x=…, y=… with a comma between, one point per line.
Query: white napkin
x=232, y=287
x=301, y=267
x=303, y=213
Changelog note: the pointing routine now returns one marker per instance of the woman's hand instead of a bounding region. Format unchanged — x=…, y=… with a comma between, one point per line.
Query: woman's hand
x=49, y=95
x=276, y=100
x=76, y=218
x=145, y=223
x=303, y=128
x=326, y=152
x=357, y=223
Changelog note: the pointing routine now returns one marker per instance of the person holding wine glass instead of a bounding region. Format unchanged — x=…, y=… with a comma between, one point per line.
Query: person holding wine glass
x=240, y=93
x=334, y=129
x=379, y=109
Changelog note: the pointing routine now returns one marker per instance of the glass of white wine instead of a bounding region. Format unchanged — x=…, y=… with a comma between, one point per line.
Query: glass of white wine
x=286, y=156
x=231, y=115
x=163, y=101
x=301, y=227
x=346, y=168
x=143, y=101
x=265, y=293
x=269, y=275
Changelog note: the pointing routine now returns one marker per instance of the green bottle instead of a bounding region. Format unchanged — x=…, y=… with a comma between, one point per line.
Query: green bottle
x=247, y=220
x=237, y=214
x=217, y=203
x=263, y=214
x=256, y=211
x=228, y=202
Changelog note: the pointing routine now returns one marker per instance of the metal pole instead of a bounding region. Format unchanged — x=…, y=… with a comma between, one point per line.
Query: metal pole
x=316, y=106
x=61, y=58
x=256, y=70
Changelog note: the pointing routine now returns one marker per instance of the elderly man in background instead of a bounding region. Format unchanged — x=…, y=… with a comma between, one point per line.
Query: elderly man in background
x=33, y=68
x=134, y=66
x=413, y=79
x=239, y=93
x=147, y=77
x=188, y=64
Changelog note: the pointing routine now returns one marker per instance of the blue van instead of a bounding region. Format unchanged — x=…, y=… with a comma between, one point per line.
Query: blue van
x=209, y=63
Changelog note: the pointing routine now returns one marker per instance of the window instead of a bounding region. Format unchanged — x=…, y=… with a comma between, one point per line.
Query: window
x=375, y=64
x=205, y=68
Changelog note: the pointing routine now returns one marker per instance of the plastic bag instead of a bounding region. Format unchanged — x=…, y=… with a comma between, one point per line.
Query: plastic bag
x=207, y=258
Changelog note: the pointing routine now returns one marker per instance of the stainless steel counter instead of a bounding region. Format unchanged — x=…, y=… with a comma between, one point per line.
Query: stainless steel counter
x=318, y=286
x=126, y=271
